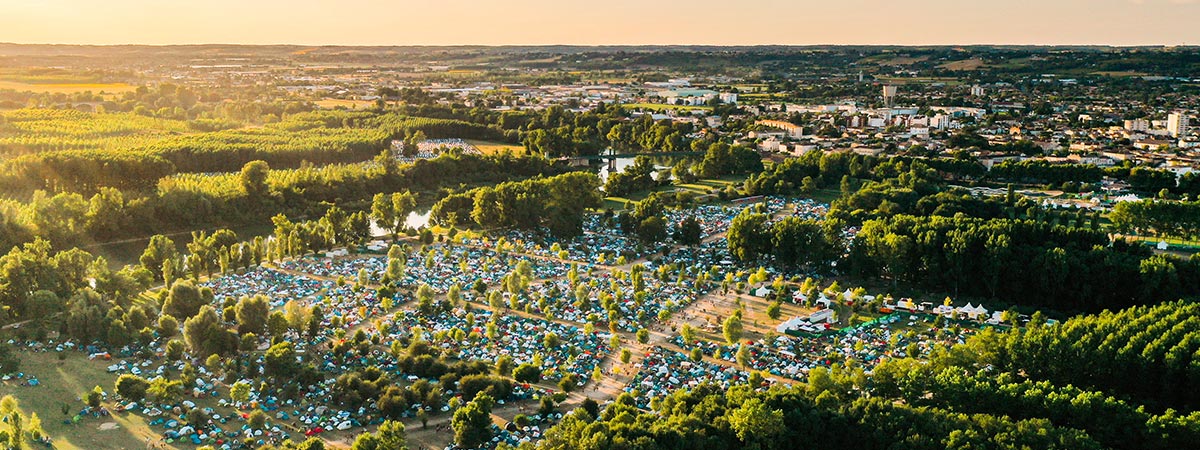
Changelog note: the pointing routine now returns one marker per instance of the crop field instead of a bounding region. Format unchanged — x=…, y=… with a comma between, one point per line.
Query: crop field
x=332, y=103
x=966, y=64
x=491, y=148
x=39, y=130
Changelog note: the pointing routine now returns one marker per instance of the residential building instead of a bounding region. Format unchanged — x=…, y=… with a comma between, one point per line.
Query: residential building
x=1177, y=124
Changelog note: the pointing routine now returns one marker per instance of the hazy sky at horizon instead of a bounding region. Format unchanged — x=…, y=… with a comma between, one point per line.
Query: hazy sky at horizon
x=510, y=22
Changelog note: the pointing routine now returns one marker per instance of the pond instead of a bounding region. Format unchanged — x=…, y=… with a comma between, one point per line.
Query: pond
x=623, y=163
x=415, y=220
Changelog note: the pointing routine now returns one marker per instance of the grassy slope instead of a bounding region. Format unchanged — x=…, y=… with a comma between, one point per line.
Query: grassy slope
x=63, y=382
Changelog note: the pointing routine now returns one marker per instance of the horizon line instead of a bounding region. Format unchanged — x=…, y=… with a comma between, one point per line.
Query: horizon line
x=203, y=44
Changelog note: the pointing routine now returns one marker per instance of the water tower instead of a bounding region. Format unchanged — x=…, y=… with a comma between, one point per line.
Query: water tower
x=889, y=93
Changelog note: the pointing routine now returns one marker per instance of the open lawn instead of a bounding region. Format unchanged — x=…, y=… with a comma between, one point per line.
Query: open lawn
x=492, y=148
x=700, y=187
x=823, y=195
x=67, y=88
x=62, y=383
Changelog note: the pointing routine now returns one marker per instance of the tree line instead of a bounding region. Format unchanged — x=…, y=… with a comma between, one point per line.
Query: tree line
x=557, y=202
x=1019, y=261
x=255, y=194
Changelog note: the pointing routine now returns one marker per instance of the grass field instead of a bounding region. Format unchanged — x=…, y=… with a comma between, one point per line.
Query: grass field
x=921, y=80
x=700, y=187
x=893, y=60
x=966, y=64
x=62, y=382
x=67, y=88
x=1126, y=73
x=492, y=148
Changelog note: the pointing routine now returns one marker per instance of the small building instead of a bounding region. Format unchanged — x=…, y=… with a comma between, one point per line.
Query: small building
x=824, y=315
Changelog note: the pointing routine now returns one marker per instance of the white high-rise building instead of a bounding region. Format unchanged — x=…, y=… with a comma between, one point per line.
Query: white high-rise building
x=1177, y=124
x=977, y=91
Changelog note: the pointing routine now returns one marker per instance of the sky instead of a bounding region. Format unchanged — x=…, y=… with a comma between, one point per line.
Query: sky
x=608, y=22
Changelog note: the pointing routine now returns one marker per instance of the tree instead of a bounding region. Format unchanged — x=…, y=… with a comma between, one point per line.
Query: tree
x=175, y=349
x=93, y=397
x=280, y=361
x=773, y=310
x=755, y=423
x=472, y=423
x=252, y=313
x=184, y=300
x=160, y=250
x=743, y=356
x=425, y=299
x=550, y=341
x=803, y=243
x=643, y=336
x=402, y=204
x=732, y=327
x=688, y=232
x=527, y=373
x=687, y=332
x=393, y=402
x=254, y=179
x=277, y=324
x=132, y=387
x=748, y=236
x=383, y=212
x=205, y=335
x=392, y=435
x=240, y=392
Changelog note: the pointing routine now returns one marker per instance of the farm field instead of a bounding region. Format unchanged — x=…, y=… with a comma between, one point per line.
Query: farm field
x=492, y=148
x=332, y=103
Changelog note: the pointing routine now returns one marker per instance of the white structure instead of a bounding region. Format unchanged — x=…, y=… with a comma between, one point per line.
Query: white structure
x=728, y=98
x=821, y=316
x=1137, y=125
x=770, y=145
x=973, y=312
x=690, y=97
x=1177, y=124
x=793, y=130
x=977, y=91
x=889, y=92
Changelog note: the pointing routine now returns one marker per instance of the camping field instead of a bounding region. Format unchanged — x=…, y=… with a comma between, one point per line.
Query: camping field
x=61, y=385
